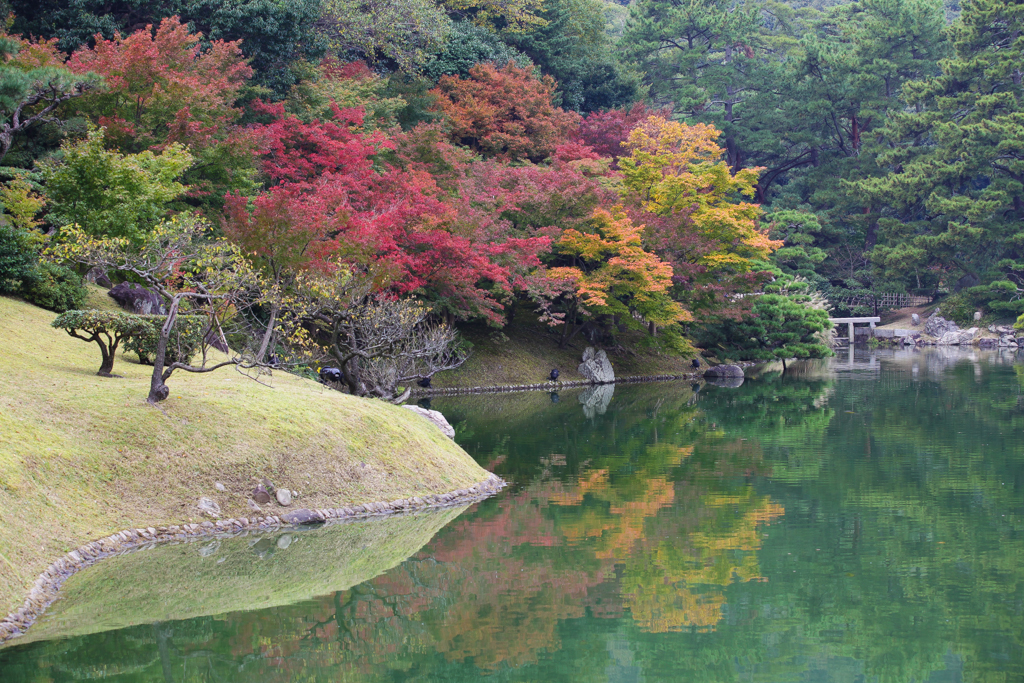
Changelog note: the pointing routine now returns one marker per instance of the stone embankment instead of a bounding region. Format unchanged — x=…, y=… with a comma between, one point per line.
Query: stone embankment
x=46, y=587
x=937, y=331
x=547, y=386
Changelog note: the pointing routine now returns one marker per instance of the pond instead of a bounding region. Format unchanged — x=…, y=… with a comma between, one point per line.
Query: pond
x=860, y=519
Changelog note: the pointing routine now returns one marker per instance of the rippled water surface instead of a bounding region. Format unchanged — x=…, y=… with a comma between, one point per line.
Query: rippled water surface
x=857, y=520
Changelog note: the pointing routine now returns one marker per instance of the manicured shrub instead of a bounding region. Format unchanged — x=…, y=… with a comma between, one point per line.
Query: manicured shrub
x=53, y=287
x=107, y=328
x=182, y=345
x=16, y=259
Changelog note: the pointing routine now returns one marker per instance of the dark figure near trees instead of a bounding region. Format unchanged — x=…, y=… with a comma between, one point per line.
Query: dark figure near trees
x=554, y=375
x=695, y=363
x=330, y=374
x=425, y=382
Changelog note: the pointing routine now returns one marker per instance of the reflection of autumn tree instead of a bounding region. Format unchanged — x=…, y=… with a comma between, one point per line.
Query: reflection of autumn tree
x=672, y=587
x=658, y=534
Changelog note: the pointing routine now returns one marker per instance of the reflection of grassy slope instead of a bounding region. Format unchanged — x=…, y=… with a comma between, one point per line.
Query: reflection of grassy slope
x=531, y=351
x=82, y=456
x=174, y=582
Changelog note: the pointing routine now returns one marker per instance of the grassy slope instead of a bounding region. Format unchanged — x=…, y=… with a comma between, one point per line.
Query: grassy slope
x=82, y=456
x=530, y=351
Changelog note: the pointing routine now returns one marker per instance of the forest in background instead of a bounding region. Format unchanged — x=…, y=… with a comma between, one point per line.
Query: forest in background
x=706, y=171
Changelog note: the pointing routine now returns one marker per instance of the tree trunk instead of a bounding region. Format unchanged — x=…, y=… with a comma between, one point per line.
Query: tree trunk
x=158, y=390
x=274, y=307
x=107, y=366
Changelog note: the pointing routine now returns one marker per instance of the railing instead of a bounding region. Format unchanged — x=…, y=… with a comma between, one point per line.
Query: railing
x=880, y=301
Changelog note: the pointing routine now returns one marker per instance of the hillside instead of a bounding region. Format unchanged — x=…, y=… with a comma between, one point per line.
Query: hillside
x=526, y=351
x=83, y=456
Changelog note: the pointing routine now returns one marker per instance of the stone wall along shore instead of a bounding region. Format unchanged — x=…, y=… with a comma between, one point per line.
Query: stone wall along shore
x=46, y=587
x=548, y=386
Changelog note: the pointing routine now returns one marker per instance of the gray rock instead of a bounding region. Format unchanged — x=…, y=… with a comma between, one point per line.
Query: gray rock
x=1004, y=329
x=208, y=507
x=723, y=371
x=137, y=299
x=595, y=400
x=958, y=337
x=253, y=506
x=220, y=487
x=937, y=326
x=977, y=316
x=1020, y=341
x=99, y=277
x=1007, y=340
x=301, y=516
x=596, y=367
x=435, y=417
x=261, y=495
x=915, y=319
x=988, y=343
x=284, y=497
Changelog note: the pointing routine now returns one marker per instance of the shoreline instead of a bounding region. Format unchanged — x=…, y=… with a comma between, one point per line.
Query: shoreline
x=573, y=384
x=46, y=588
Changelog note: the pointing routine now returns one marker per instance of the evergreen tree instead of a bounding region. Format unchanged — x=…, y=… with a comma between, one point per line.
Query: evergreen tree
x=956, y=170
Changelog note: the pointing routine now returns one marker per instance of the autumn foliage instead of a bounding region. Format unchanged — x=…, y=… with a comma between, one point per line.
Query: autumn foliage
x=624, y=219
x=505, y=113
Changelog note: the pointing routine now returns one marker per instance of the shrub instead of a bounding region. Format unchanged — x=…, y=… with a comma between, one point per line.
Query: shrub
x=16, y=259
x=959, y=308
x=54, y=287
x=107, y=328
x=181, y=347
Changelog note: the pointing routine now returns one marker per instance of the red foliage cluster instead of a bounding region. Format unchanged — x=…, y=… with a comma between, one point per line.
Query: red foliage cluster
x=162, y=86
x=604, y=132
x=462, y=213
x=505, y=113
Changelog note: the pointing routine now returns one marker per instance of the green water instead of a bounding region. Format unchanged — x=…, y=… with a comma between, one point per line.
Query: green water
x=859, y=520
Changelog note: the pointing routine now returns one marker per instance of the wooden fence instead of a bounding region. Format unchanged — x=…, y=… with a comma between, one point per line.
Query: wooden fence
x=881, y=301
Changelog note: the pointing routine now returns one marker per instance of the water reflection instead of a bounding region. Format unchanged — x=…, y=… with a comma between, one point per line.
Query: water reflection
x=855, y=520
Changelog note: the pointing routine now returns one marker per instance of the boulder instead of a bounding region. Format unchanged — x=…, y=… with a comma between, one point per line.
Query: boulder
x=137, y=299
x=284, y=497
x=937, y=326
x=988, y=343
x=301, y=516
x=208, y=507
x=915, y=319
x=435, y=417
x=1008, y=340
x=977, y=316
x=596, y=367
x=958, y=337
x=261, y=495
x=98, y=276
x=1020, y=341
x=723, y=371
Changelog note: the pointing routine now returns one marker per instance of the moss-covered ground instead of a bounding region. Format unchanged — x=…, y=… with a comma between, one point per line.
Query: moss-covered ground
x=527, y=350
x=82, y=456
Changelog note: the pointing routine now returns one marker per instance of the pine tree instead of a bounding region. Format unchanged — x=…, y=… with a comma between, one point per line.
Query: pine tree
x=956, y=180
